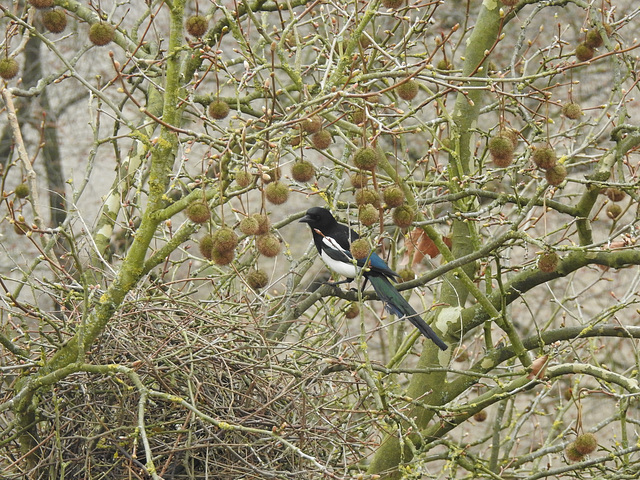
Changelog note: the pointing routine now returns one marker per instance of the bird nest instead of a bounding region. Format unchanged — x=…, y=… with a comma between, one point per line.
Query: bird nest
x=212, y=396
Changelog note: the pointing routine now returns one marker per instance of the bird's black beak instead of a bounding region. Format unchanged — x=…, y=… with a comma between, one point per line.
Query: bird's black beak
x=305, y=219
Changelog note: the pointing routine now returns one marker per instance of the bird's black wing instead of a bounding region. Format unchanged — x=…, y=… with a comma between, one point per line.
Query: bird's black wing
x=334, y=249
x=336, y=243
x=397, y=305
x=342, y=234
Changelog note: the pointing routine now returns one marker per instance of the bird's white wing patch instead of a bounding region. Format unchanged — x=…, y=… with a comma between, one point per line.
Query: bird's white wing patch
x=343, y=268
x=341, y=260
x=332, y=244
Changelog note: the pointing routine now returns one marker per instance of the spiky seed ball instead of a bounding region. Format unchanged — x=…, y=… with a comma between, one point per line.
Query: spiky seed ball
x=101, y=33
x=480, y=416
x=303, y=171
x=556, y=174
x=312, y=124
x=511, y=134
x=197, y=25
x=460, y=354
x=373, y=97
x=548, y=262
x=276, y=193
x=41, y=3
x=572, y=110
x=22, y=190
x=206, y=246
x=358, y=116
x=268, y=245
x=584, y=52
x=501, y=150
x=54, y=20
x=249, y=226
x=352, y=311
x=614, y=211
x=224, y=239
x=198, y=212
x=367, y=196
x=257, y=279
x=8, y=68
x=290, y=40
x=544, y=156
x=365, y=42
x=593, y=38
x=586, y=443
x=295, y=139
x=572, y=453
x=392, y=3
x=243, y=179
x=359, y=180
x=368, y=215
x=403, y=216
x=615, y=194
x=218, y=109
x=444, y=65
x=509, y=3
x=263, y=223
x=175, y=194
x=366, y=158
x=393, y=196
x=503, y=162
x=21, y=227
x=321, y=139
x=406, y=274
x=222, y=257
x=408, y=90
x=360, y=248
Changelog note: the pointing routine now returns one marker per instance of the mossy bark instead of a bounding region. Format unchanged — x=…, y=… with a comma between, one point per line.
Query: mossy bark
x=431, y=388
x=133, y=266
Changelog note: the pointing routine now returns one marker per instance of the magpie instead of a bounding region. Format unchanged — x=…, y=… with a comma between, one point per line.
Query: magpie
x=333, y=240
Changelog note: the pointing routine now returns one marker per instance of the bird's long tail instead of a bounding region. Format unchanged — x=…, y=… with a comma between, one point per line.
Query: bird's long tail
x=397, y=305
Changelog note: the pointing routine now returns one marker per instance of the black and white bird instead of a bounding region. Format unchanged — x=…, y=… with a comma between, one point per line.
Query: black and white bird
x=333, y=241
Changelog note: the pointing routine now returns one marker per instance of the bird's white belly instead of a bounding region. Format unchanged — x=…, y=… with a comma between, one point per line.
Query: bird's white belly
x=346, y=269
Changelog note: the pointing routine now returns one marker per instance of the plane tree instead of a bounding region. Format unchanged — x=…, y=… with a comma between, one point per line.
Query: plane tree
x=162, y=314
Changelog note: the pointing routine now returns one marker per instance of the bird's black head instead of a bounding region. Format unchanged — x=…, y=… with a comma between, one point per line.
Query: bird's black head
x=318, y=217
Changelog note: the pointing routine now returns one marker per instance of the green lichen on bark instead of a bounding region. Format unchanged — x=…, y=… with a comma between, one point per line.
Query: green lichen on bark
x=391, y=453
